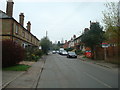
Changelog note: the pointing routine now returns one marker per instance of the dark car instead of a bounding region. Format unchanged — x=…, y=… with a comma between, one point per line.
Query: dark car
x=71, y=55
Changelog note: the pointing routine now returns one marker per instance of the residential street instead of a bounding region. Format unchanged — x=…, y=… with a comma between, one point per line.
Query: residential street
x=36, y=53
x=61, y=72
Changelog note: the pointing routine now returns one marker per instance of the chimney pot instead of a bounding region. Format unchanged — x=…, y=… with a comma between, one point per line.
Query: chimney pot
x=10, y=0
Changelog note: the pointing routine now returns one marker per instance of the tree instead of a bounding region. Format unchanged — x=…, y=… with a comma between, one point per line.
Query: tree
x=45, y=44
x=112, y=20
x=93, y=37
x=55, y=47
x=58, y=43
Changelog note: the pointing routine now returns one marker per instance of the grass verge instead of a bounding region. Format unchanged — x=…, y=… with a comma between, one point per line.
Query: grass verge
x=19, y=67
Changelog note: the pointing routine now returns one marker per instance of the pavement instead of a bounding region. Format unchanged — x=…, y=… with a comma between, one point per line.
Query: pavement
x=29, y=77
x=99, y=62
x=33, y=74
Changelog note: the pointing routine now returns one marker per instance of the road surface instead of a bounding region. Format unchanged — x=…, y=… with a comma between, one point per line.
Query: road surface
x=62, y=72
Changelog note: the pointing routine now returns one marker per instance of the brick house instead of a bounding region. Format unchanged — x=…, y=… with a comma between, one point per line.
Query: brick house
x=15, y=31
x=78, y=45
x=65, y=44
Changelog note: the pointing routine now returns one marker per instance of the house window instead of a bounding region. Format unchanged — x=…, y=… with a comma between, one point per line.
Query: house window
x=16, y=29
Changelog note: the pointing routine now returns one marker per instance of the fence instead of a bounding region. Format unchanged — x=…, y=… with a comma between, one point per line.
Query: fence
x=112, y=54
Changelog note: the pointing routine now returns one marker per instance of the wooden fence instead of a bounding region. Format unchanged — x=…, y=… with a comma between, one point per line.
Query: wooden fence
x=112, y=54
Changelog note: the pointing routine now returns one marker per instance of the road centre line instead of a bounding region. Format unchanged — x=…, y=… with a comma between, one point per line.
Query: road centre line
x=98, y=80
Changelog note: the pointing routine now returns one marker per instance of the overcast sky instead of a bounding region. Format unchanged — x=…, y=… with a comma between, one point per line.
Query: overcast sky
x=61, y=18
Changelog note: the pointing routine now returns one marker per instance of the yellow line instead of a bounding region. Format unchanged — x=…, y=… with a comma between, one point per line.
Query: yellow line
x=98, y=80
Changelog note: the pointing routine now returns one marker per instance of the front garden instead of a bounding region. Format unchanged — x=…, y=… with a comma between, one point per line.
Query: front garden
x=13, y=56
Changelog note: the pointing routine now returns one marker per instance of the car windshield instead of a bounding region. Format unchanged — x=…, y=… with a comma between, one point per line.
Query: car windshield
x=71, y=53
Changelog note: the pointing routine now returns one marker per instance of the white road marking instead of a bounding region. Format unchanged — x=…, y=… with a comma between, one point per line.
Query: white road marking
x=98, y=80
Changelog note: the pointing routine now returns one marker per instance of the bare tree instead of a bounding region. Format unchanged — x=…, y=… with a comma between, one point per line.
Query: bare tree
x=111, y=20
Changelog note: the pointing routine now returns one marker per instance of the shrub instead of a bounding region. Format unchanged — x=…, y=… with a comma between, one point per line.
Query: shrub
x=33, y=54
x=12, y=53
x=69, y=49
x=78, y=52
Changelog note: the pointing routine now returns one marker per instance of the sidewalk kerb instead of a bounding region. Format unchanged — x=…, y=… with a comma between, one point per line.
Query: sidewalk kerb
x=4, y=85
x=37, y=79
x=103, y=65
x=97, y=63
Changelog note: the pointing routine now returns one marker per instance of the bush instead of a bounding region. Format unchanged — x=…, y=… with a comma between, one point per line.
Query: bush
x=12, y=53
x=69, y=49
x=33, y=54
x=78, y=52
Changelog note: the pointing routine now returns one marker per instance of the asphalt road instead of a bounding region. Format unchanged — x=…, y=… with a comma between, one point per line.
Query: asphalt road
x=62, y=72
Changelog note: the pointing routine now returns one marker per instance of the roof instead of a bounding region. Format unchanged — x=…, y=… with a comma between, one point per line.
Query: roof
x=78, y=37
x=4, y=15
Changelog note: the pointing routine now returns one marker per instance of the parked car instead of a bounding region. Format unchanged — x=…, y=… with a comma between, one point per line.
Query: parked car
x=60, y=52
x=53, y=52
x=71, y=55
x=64, y=52
x=57, y=51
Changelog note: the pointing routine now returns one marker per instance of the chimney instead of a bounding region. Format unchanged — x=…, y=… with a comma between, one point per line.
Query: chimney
x=85, y=30
x=9, y=9
x=90, y=23
x=74, y=36
x=21, y=19
x=29, y=26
